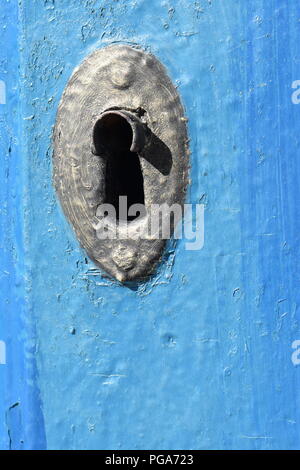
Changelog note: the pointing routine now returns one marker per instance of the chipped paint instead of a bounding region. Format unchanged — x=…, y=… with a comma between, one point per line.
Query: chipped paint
x=200, y=355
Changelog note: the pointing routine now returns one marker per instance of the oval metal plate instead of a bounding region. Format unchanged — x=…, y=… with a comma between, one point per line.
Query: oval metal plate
x=119, y=77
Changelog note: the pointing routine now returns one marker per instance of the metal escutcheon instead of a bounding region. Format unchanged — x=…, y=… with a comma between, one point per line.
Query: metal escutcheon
x=120, y=142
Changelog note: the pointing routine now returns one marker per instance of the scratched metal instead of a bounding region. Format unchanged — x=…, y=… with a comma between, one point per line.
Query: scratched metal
x=120, y=77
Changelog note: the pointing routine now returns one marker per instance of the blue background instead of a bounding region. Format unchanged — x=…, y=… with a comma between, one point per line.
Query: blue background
x=198, y=357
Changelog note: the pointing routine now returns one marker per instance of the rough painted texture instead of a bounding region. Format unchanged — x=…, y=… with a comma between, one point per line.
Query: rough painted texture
x=200, y=356
x=21, y=420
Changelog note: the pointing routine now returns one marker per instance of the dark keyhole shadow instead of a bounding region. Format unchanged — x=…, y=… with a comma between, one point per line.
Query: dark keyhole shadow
x=158, y=154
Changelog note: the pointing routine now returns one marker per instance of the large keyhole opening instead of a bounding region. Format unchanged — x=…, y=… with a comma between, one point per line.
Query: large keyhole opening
x=113, y=137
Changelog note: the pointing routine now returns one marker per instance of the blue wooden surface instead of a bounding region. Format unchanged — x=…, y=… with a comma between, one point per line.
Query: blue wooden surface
x=21, y=418
x=199, y=356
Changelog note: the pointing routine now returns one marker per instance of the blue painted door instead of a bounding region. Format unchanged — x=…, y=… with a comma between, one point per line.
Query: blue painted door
x=204, y=355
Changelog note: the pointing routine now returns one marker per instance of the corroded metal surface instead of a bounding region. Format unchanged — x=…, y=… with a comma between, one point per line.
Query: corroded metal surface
x=119, y=78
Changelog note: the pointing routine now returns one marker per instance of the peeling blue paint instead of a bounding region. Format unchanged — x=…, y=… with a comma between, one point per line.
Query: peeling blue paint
x=200, y=355
x=21, y=424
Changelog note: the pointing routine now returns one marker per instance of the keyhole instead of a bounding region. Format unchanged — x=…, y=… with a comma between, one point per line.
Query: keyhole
x=115, y=136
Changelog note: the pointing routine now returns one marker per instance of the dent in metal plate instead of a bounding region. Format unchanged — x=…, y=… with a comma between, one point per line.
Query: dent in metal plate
x=119, y=82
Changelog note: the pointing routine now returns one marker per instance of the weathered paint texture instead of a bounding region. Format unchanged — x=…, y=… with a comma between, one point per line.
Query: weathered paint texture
x=200, y=355
x=21, y=419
